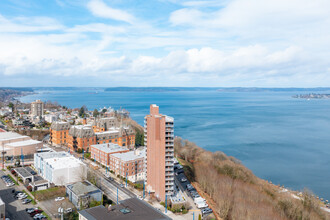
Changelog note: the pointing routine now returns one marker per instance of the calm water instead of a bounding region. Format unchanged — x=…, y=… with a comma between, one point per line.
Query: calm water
x=281, y=139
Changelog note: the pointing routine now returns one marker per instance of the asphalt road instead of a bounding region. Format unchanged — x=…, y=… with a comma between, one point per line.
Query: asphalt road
x=14, y=208
x=110, y=189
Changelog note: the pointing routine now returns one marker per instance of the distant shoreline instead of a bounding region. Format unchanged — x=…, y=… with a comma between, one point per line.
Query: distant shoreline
x=312, y=96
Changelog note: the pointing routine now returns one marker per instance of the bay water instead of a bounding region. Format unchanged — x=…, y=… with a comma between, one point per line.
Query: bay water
x=281, y=139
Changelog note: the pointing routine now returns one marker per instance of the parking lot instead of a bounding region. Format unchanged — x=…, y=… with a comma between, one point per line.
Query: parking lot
x=182, y=181
x=53, y=206
x=14, y=207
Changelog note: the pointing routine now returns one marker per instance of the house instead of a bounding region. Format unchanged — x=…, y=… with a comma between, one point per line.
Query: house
x=81, y=193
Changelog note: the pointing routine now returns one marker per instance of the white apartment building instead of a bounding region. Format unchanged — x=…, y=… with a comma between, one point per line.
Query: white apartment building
x=60, y=168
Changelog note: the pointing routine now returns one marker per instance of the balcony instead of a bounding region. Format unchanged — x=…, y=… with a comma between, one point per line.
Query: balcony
x=169, y=163
x=169, y=137
x=169, y=169
x=169, y=145
x=169, y=184
x=169, y=154
x=169, y=178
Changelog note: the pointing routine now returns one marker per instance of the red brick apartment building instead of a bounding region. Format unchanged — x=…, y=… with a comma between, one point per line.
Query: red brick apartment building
x=159, y=140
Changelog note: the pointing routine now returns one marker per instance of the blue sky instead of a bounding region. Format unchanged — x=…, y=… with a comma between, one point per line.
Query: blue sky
x=269, y=43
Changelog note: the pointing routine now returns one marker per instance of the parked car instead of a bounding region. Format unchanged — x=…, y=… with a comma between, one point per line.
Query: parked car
x=57, y=199
x=206, y=211
x=179, y=172
x=9, y=184
x=21, y=196
x=26, y=201
x=30, y=210
x=35, y=212
x=68, y=210
x=39, y=216
x=183, y=179
x=17, y=192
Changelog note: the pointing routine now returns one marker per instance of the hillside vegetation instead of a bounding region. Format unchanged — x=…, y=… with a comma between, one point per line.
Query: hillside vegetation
x=237, y=193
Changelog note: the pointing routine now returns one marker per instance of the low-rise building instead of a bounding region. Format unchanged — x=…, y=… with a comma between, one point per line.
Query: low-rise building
x=101, y=152
x=128, y=209
x=121, y=136
x=129, y=164
x=81, y=137
x=59, y=132
x=50, y=118
x=15, y=144
x=81, y=193
x=103, y=124
x=27, y=147
x=11, y=137
x=60, y=168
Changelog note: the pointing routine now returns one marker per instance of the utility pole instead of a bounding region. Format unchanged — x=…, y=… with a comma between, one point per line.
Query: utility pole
x=126, y=179
x=22, y=157
x=144, y=189
x=166, y=203
x=117, y=195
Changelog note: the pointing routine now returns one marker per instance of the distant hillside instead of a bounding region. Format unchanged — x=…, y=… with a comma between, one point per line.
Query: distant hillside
x=234, y=192
x=7, y=94
x=259, y=89
x=157, y=89
x=220, y=89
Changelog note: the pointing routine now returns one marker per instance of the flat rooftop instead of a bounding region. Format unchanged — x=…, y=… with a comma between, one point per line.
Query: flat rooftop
x=128, y=209
x=131, y=155
x=64, y=162
x=23, y=172
x=82, y=188
x=87, y=127
x=107, y=132
x=47, y=155
x=23, y=143
x=10, y=136
x=109, y=148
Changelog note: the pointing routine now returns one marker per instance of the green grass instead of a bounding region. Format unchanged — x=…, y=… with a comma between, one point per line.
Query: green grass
x=44, y=213
x=49, y=193
x=13, y=179
x=29, y=197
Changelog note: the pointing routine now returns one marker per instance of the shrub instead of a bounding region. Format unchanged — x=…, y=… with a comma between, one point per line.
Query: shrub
x=29, y=188
x=138, y=186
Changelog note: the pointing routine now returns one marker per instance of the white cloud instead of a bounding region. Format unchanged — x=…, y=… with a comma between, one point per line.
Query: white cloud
x=28, y=24
x=100, y=9
x=239, y=43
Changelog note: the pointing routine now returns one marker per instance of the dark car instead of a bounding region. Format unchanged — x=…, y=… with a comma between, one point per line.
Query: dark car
x=178, y=172
x=35, y=212
x=17, y=192
x=206, y=211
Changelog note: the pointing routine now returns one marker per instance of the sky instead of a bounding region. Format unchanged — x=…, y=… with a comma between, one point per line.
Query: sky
x=216, y=43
